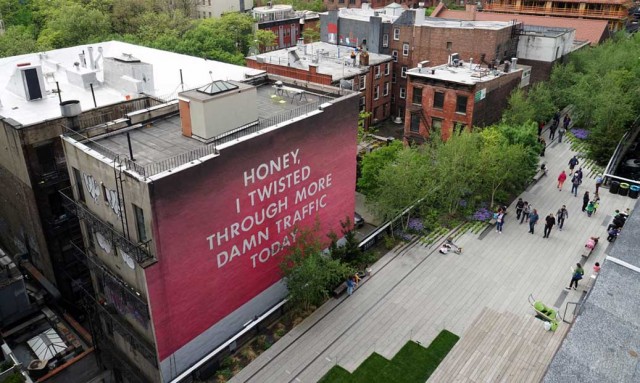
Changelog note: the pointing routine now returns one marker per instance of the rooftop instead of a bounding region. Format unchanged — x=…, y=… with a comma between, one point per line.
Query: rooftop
x=604, y=341
x=545, y=31
x=167, y=68
x=435, y=22
x=465, y=73
x=331, y=59
x=593, y=31
x=162, y=146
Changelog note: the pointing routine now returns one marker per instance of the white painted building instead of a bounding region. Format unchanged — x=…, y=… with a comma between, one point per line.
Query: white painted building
x=545, y=43
x=215, y=8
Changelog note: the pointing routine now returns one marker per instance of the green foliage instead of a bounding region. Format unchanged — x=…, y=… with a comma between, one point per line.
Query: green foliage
x=349, y=252
x=310, y=275
x=300, y=5
x=413, y=363
x=263, y=40
x=72, y=24
x=17, y=40
x=14, y=378
x=603, y=85
x=373, y=162
x=541, y=97
x=389, y=242
x=310, y=35
x=519, y=110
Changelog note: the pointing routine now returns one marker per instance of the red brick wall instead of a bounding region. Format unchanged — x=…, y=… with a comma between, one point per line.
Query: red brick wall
x=295, y=73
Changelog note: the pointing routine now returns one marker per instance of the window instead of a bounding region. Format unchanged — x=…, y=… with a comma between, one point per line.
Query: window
x=352, y=1
x=403, y=93
x=393, y=77
x=77, y=178
x=394, y=54
x=403, y=71
x=449, y=45
x=385, y=40
x=377, y=71
x=385, y=91
x=140, y=227
x=396, y=33
x=436, y=125
x=209, y=2
x=376, y=92
x=387, y=69
x=363, y=82
x=209, y=14
x=461, y=104
x=438, y=100
x=414, y=127
x=363, y=104
x=46, y=159
x=405, y=49
x=417, y=96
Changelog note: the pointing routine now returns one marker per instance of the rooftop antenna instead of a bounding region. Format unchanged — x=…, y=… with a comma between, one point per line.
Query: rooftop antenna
x=211, y=75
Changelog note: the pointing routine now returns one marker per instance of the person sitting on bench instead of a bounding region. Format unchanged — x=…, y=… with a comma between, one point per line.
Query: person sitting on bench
x=592, y=242
x=613, y=234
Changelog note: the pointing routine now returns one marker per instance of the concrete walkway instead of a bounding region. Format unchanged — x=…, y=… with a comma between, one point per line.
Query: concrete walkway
x=415, y=292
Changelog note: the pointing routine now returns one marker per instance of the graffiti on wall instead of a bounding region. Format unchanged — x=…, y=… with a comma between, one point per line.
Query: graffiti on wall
x=113, y=201
x=92, y=186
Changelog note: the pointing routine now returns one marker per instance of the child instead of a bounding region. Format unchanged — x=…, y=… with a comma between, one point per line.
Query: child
x=590, y=209
x=596, y=268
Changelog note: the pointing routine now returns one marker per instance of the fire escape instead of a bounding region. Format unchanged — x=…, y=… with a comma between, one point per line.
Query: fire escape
x=418, y=118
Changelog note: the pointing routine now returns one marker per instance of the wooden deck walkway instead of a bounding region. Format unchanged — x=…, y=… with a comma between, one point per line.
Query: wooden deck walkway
x=501, y=347
x=415, y=293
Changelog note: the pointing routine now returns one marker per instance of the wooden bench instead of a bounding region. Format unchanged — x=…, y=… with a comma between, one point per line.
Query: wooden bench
x=340, y=289
x=540, y=173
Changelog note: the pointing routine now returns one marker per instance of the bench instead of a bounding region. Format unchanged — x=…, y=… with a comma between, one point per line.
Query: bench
x=540, y=173
x=340, y=289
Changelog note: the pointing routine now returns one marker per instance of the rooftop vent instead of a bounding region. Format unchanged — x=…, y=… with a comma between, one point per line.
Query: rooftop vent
x=217, y=87
x=127, y=58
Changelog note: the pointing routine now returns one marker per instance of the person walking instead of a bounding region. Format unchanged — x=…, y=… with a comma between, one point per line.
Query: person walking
x=561, y=178
x=572, y=164
x=590, y=209
x=556, y=117
x=561, y=131
x=585, y=200
x=533, y=220
x=552, y=131
x=596, y=203
x=599, y=181
x=579, y=174
x=575, y=182
x=499, y=221
x=566, y=121
x=561, y=215
x=540, y=127
x=519, y=207
x=578, y=272
x=526, y=210
x=548, y=225
x=544, y=146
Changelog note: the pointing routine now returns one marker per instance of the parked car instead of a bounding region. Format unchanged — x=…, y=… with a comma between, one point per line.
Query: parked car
x=358, y=221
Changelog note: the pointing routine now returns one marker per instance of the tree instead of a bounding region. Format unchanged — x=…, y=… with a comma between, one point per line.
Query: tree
x=310, y=275
x=519, y=110
x=310, y=35
x=541, y=98
x=405, y=181
x=73, y=24
x=348, y=252
x=126, y=14
x=373, y=162
x=17, y=40
x=264, y=40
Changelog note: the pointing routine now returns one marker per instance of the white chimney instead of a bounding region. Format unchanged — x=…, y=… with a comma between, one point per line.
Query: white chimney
x=91, y=64
x=514, y=63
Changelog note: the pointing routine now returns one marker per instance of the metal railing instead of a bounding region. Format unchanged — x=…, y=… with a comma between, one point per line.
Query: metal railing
x=556, y=10
x=139, y=252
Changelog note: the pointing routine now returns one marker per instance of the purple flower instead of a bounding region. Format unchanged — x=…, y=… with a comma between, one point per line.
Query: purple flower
x=581, y=134
x=415, y=224
x=482, y=214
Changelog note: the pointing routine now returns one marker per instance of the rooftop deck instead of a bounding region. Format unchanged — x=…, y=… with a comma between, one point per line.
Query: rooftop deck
x=161, y=146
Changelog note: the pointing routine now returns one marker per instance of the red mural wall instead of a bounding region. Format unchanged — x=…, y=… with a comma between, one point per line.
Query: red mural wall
x=222, y=227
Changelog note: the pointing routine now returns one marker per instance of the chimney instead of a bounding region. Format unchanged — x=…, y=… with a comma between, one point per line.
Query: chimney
x=71, y=110
x=313, y=69
x=514, y=63
x=91, y=64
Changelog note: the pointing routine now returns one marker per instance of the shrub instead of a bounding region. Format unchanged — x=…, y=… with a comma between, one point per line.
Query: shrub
x=223, y=375
x=248, y=353
x=415, y=226
x=482, y=214
x=389, y=242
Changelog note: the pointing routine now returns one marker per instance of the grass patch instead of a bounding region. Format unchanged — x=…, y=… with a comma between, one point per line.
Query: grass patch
x=413, y=363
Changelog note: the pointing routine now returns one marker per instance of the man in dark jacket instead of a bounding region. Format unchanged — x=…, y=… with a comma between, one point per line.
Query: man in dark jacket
x=550, y=221
x=519, y=207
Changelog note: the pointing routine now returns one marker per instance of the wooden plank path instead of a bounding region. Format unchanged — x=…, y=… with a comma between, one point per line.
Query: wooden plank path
x=415, y=292
x=501, y=347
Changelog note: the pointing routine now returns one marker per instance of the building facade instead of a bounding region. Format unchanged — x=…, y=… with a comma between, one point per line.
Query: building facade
x=447, y=98
x=338, y=66
x=282, y=20
x=187, y=208
x=615, y=12
x=410, y=38
x=215, y=8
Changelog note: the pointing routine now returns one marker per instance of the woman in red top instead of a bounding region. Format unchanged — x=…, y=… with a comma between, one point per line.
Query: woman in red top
x=561, y=178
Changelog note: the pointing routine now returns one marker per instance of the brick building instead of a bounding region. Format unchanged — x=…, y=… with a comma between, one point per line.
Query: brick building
x=338, y=66
x=335, y=4
x=410, y=37
x=187, y=208
x=280, y=19
x=615, y=12
x=458, y=95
